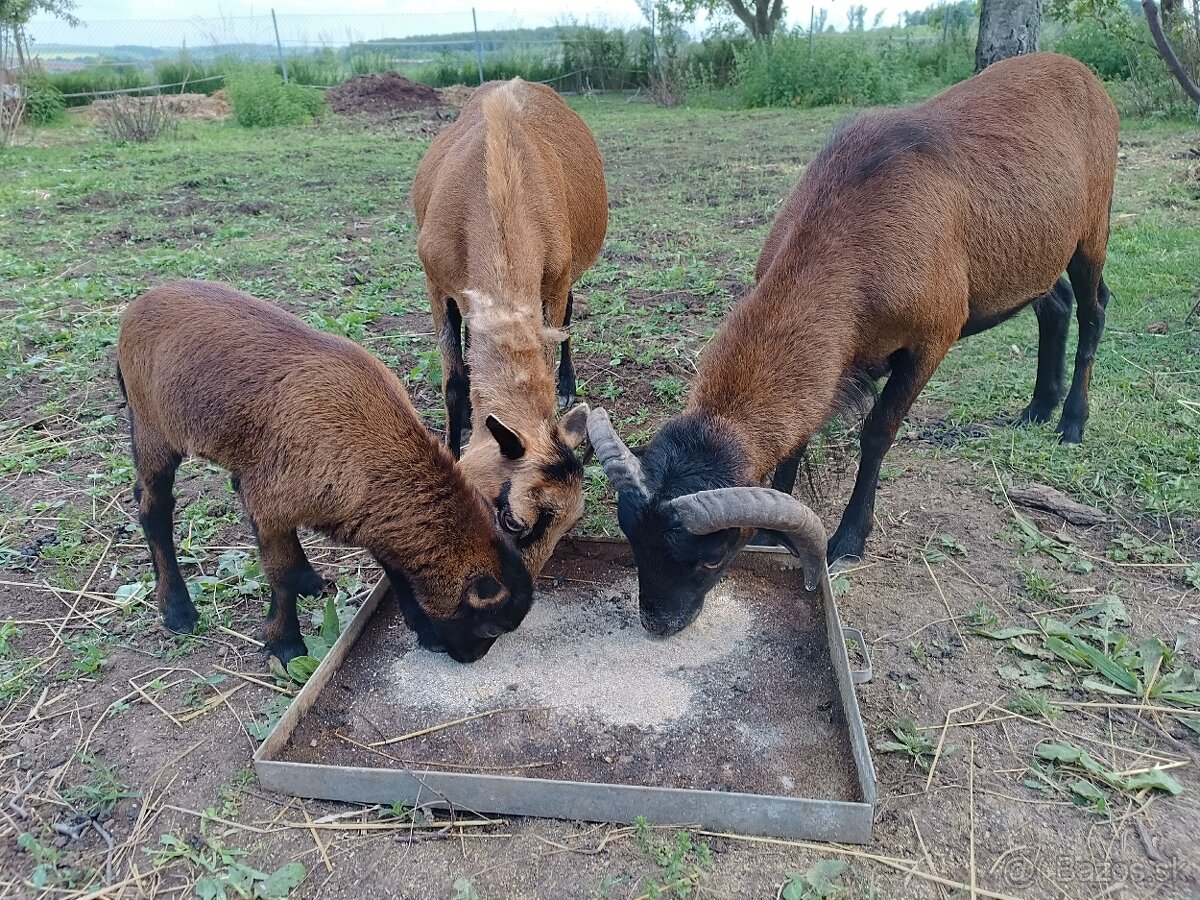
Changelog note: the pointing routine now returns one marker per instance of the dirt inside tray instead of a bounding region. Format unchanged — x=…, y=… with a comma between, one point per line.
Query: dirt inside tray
x=744, y=699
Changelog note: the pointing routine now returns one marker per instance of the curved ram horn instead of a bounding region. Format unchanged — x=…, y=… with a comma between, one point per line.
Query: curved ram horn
x=623, y=469
x=758, y=507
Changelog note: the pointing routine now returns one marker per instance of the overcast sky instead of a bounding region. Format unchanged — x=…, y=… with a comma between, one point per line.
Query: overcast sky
x=108, y=22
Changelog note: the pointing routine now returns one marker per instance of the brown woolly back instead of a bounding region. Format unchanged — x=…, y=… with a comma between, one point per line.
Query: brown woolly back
x=911, y=228
x=512, y=209
x=317, y=430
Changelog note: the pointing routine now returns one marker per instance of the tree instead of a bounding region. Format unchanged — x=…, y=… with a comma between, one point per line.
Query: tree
x=856, y=15
x=14, y=56
x=1007, y=28
x=759, y=16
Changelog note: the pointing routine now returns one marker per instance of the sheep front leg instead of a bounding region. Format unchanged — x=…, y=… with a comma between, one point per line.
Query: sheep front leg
x=911, y=369
x=1091, y=300
x=290, y=574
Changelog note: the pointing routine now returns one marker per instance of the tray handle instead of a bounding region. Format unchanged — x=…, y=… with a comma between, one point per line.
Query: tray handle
x=863, y=675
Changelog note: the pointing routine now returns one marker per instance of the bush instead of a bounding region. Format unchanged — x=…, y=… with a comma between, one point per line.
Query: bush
x=462, y=68
x=44, y=103
x=603, y=59
x=1096, y=48
x=789, y=71
x=188, y=75
x=323, y=69
x=260, y=99
x=97, y=79
x=712, y=62
x=928, y=62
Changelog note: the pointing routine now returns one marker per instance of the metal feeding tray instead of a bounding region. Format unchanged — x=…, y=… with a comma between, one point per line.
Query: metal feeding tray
x=744, y=722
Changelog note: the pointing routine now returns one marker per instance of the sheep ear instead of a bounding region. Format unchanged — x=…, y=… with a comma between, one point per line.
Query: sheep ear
x=511, y=445
x=573, y=426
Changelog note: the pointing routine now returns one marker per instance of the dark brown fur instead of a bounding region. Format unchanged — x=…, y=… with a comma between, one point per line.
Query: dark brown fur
x=912, y=228
x=315, y=432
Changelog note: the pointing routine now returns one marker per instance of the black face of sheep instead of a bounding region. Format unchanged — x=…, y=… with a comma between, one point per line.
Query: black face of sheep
x=470, y=632
x=687, y=517
x=676, y=568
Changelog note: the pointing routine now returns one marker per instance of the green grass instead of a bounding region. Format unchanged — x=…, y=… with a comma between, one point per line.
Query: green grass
x=318, y=217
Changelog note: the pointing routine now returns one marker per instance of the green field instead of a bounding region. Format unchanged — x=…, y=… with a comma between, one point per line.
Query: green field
x=318, y=219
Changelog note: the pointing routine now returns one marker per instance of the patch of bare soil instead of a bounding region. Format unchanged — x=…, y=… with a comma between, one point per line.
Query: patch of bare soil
x=380, y=95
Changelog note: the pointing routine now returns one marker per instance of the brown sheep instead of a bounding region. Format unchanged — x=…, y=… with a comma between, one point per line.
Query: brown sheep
x=315, y=431
x=911, y=229
x=512, y=209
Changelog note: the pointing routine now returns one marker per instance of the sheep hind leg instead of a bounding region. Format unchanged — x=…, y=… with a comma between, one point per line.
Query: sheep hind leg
x=1091, y=300
x=154, y=492
x=911, y=369
x=287, y=569
x=1054, y=321
x=566, y=368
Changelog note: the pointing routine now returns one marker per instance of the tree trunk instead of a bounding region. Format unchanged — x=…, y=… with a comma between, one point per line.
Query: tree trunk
x=1007, y=28
x=762, y=19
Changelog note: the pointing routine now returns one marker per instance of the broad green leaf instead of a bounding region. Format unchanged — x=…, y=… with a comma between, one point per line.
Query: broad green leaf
x=316, y=646
x=1065, y=753
x=131, y=593
x=210, y=888
x=330, y=628
x=1152, y=651
x=1088, y=791
x=1155, y=779
x=281, y=882
x=824, y=871
x=302, y=667
x=1100, y=686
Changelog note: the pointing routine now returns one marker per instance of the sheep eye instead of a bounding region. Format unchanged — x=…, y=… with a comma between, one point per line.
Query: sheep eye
x=712, y=565
x=510, y=524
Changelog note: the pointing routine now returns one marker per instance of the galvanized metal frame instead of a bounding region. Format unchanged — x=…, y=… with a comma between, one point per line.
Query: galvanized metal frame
x=772, y=816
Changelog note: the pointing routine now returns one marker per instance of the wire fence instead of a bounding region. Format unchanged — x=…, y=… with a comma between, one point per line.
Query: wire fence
x=405, y=35
x=101, y=58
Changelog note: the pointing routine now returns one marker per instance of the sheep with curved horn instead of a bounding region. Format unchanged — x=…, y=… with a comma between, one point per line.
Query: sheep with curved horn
x=911, y=229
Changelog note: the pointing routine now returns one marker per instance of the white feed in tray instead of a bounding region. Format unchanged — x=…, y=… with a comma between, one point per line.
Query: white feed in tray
x=590, y=656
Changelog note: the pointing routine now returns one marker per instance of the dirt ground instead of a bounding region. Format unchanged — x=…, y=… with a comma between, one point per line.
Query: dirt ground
x=972, y=817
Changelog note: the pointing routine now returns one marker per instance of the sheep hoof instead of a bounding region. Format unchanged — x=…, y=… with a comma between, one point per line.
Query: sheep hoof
x=1070, y=432
x=844, y=551
x=1035, y=414
x=310, y=584
x=181, y=616
x=286, y=652
x=565, y=401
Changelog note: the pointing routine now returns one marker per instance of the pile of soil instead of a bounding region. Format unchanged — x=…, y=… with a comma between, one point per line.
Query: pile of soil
x=380, y=96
